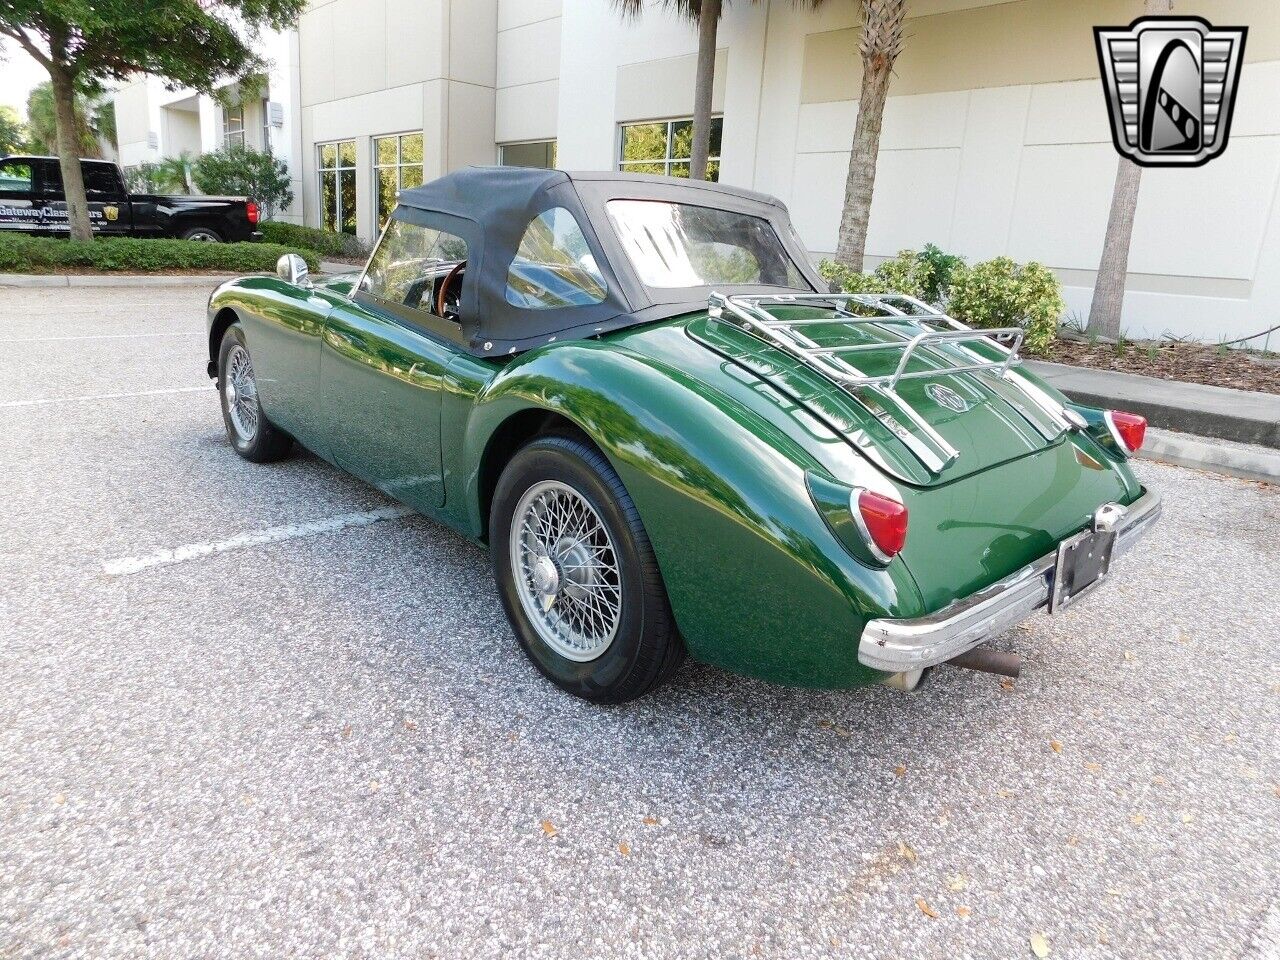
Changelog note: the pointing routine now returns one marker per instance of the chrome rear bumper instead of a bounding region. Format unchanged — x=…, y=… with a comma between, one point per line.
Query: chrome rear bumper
x=902, y=645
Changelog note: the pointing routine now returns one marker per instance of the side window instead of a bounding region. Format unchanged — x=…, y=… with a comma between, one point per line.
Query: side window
x=413, y=264
x=101, y=178
x=553, y=266
x=15, y=175
x=50, y=178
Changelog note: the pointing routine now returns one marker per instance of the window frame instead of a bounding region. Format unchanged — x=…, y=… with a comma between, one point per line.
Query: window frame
x=265, y=106
x=595, y=273
x=555, y=151
x=667, y=160
x=337, y=170
x=398, y=166
x=426, y=322
x=230, y=133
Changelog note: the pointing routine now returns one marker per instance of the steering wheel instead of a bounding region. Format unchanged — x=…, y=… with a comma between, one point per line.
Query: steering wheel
x=454, y=277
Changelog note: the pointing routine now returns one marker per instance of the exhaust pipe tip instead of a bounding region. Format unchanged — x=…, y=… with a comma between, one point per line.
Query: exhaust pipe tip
x=986, y=660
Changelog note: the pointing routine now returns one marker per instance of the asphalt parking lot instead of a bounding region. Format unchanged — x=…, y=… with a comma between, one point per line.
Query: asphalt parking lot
x=323, y=741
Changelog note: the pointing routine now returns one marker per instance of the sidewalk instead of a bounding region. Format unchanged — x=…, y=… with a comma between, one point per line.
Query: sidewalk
x=27, y=280
x=1239, y=415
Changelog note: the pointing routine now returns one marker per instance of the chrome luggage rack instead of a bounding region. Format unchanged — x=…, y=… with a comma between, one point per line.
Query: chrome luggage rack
x=887, y=315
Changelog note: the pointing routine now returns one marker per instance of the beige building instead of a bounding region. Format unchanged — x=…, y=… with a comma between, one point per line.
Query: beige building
x=996, y=136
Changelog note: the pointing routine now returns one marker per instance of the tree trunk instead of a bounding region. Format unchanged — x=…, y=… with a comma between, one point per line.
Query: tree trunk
x=708, y=24
x=1108, y=288
x=69, y=154
x=861, y=181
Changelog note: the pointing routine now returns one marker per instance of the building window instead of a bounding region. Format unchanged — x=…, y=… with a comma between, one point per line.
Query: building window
x=337, y=169
x=664, y=148
x=266, y=124
x=397, y=165
x=537, y=153
x=233, y=126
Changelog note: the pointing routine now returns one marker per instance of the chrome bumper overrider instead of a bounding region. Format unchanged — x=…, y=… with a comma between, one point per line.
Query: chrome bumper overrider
x=904, y=645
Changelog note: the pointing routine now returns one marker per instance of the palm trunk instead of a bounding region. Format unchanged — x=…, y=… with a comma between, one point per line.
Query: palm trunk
x=69, y=154
x=879, y=45
x=708, y=24
x=1108, y=288
x=860, y=184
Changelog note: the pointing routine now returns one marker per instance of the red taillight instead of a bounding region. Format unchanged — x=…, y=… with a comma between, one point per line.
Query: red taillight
x=885, y=523
x=1128, y=428
x=251, y=209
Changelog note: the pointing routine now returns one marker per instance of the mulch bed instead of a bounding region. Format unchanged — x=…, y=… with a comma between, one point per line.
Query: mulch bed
x=1190, y=362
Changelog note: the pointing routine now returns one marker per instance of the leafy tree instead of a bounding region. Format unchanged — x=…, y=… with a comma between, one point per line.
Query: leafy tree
x=879, y=42
x=42, y=122
x=242, y=171
x=190, y=43
x=1113, y=269
x=13, y=132
x=706, y=14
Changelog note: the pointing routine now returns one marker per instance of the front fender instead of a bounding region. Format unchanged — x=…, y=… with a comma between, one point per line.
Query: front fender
x=757, y=581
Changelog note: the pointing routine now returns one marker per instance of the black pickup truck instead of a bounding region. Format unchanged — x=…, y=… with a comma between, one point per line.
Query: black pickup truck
x=32, y=201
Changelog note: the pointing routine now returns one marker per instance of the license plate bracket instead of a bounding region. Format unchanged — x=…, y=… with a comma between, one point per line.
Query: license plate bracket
x=1084, y=561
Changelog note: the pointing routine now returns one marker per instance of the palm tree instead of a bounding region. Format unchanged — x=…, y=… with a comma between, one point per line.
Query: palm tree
x=706, y=14
x=879, y=43
x=42, y=122
x=1108, y=287
x=173, y=174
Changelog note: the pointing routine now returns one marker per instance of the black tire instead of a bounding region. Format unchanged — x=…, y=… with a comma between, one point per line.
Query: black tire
x=266, y=443
x=646, y=647
x=202, y=235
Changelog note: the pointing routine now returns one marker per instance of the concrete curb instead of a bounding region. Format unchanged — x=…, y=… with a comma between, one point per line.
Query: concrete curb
x=114, y=279
x=1243, y=416
x=1258, y=464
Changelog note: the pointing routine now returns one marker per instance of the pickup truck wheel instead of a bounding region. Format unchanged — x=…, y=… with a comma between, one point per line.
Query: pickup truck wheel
x=252, y=435
x=202, y=235
x=577, y=574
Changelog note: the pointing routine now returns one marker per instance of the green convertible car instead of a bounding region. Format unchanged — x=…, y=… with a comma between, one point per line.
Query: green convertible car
x=640, y=394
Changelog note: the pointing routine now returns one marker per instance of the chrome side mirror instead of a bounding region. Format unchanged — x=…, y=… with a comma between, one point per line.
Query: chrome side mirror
x=292, y=268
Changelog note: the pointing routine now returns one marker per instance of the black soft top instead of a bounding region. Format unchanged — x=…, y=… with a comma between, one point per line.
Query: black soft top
x=491, y=207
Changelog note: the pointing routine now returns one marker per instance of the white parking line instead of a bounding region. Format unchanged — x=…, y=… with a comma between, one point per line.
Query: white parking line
x=103, y=396
x=255, y=538
x=100, y=336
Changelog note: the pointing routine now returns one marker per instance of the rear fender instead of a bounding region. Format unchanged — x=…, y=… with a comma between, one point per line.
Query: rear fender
x=758, y=583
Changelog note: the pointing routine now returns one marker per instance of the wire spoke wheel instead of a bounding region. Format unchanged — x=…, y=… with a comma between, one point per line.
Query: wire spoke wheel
x=241, y=394
x=566, y=570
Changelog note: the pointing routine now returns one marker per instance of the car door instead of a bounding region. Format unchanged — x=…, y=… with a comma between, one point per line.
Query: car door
x=383, y=361
x=19, y=209
x=108, y=200
x=104, y=191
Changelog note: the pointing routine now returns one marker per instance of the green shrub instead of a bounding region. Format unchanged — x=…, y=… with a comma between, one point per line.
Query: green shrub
x=325, y=242
x=1002, y=293
x=924, y=274
x=937, y=269
x=244, y=172
x=905, y=273
x=844, y=280
x=22, y=254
